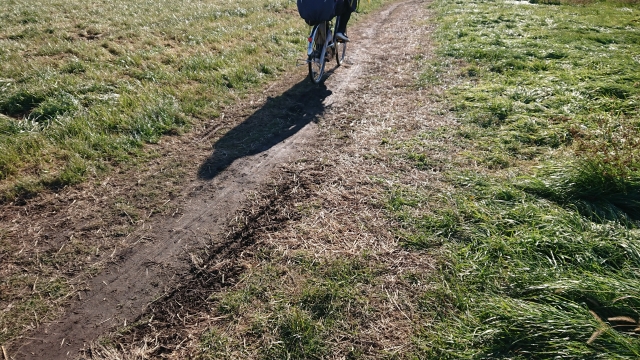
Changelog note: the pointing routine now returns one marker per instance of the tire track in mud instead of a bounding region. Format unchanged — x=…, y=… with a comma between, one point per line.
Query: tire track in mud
x=163, y=271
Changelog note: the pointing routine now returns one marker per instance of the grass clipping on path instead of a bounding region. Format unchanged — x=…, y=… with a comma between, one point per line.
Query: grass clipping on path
x=539, y=244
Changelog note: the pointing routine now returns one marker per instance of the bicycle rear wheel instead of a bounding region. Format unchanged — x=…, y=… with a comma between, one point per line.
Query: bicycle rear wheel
x=317, y=58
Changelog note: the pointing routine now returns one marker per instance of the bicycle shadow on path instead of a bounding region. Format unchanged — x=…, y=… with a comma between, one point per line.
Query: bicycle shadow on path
x=278, y=119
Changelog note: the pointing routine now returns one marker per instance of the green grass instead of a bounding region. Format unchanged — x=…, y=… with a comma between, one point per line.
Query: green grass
x=84, y=86
x=522, y=275
x=538, y=247
x=296, y=321
x=603, y=181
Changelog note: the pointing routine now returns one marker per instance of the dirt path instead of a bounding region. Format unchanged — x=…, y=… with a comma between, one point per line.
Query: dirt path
x=162, y=252
x=168, y=247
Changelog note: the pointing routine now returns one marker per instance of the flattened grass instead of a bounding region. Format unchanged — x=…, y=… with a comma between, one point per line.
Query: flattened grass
x=524, y=278
x=538, y=245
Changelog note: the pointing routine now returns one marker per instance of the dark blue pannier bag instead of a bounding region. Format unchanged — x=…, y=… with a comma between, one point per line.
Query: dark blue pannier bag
x=316, y=11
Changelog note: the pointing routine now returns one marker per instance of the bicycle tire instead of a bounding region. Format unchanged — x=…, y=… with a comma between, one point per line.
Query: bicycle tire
x=317, y=59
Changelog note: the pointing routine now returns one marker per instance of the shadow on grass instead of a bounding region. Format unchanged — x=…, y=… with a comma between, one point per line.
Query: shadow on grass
x=277, y=120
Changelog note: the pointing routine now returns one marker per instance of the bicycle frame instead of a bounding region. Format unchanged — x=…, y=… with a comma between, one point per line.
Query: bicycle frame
x=328, y=43
x=318, y=30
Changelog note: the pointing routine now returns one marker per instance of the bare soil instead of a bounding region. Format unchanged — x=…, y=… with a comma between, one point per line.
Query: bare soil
x=141, y=252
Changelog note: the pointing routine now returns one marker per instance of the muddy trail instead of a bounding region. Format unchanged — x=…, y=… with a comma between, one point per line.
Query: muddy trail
x=153, y=273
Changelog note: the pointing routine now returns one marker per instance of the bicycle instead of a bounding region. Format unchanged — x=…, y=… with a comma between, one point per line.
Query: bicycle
x=322, y=47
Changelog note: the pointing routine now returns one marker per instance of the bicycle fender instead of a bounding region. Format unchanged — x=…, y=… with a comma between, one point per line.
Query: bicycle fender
x=313, y=40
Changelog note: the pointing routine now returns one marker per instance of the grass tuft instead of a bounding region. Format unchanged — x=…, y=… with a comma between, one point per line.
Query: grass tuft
x=604, y=180
x=21, y=102
x=300, y=337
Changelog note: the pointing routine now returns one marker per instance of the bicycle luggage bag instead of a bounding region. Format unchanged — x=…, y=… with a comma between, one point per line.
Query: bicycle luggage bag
x=316, y=11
